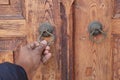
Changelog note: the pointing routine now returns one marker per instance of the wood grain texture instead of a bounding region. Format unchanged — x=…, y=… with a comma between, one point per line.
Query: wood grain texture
x=4, y=1
x=12, y=11
x=117, y=6
x=92, y=61
x=11, y=43
x=12, y=28
x=115, y=26
x=12, y=32
x=6, y=56
x=116, y=57
x=66, y=9
x=22, y=18
x=116, y=10
x=37, y=12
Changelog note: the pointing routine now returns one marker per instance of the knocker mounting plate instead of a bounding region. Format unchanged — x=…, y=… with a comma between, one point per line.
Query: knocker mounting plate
x=95, y=28
x=46, y=30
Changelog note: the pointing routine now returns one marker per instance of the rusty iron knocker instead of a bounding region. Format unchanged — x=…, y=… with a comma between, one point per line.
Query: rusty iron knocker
x=95, y=29
x=46, y=30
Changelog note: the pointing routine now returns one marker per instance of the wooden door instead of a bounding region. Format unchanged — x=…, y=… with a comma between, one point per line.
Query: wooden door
x=97, y=61
x=19, y=22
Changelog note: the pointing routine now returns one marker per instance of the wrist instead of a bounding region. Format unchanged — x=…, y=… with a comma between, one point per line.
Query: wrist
x=27, y=70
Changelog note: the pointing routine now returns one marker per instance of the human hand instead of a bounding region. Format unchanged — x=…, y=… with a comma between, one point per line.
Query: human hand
x=31, y=55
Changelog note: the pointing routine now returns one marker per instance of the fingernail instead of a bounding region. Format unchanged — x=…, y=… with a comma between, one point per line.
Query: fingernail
x=46, y=51
x=44, y=42
x=37, y=43
x=47, y=57
x=48, y=48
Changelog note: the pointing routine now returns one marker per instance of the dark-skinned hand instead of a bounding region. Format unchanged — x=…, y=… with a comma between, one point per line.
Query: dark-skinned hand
x=32, y=55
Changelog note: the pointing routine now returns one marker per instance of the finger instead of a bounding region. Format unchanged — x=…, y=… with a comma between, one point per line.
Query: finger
x=46, y=57
x=33, y=45
x=45, y=52
x=44, y=42
x=42, y=45
x=36, y=44
x=47, y=48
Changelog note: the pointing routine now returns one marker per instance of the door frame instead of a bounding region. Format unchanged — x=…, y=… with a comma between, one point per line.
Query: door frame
x=67, y=40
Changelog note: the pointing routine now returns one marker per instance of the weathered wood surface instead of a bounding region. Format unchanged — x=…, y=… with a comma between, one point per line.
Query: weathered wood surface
x=116, y=57
x=66, y=10
x=116, y=40
x=115, y=26
x=37, y=12
x=74, y=56
x=6, y=56
x=92, y=61
x=4, y=1
x=19, y=22
x=11, y=9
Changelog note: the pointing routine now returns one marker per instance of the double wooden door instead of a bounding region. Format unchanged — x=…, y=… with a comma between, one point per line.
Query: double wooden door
x=74, y=55
x=19, y=23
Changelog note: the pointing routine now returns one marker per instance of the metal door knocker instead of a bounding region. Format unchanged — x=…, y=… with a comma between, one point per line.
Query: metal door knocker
x=46, y=30
x=95, y=28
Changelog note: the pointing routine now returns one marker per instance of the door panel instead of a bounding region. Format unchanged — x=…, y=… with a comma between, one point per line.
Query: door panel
x=4, y=1
x=116, y=57
x=92, y=61
x=11, y=9
x=116, y=40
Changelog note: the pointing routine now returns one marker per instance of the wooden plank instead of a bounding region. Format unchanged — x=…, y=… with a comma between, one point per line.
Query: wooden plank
x=4, y=1
x=92, y=61
x=6, y=56
x=37, y=12
x=116, y=56
x=16, y=10
x=116, y=10
x=12, y=28
x=67, y=39
x=11, y=43
x=116, y=26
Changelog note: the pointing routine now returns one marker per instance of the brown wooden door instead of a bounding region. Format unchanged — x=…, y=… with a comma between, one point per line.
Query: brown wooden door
x=19, y=22
x=75, y=56
x=97, y=61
